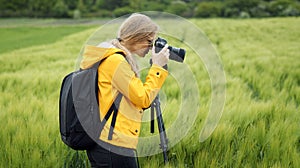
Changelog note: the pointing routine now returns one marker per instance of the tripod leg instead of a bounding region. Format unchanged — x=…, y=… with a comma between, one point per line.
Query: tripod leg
x=152, y=119
x=161, y=128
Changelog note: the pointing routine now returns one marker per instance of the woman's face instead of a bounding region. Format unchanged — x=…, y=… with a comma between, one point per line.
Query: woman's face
x=142, y=47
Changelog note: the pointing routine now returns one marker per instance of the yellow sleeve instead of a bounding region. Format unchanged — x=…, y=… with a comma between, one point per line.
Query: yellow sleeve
x=141, y=94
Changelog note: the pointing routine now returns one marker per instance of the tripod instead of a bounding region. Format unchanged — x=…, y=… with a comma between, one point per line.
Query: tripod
x=161, y=128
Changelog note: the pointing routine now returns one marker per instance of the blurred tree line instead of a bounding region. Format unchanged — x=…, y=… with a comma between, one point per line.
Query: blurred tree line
x=115, y=8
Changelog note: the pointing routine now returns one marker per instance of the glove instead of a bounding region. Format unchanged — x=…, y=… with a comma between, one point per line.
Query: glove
x=162, y=57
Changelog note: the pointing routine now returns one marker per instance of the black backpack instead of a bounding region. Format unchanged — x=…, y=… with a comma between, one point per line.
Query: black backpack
x=79, y=120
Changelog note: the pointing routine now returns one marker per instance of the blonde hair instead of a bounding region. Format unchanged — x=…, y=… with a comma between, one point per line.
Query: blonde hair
x=134, y=29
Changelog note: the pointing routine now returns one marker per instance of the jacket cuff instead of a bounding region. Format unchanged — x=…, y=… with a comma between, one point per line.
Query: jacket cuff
x=159, y=71
x=159, y=68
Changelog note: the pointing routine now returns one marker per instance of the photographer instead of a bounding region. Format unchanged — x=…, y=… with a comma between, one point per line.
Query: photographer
x=119, y=73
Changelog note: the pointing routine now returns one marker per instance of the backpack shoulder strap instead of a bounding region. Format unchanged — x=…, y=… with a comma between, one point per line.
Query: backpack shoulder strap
x=116, y=106
x=96, y=65
x=113, y=108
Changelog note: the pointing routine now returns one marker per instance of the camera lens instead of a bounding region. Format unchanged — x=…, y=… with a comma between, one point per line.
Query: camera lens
x=176, y=54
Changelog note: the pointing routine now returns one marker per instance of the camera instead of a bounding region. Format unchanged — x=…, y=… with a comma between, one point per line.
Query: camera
x=176, y=54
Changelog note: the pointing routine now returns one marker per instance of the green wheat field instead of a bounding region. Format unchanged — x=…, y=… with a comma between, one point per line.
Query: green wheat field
x=260, y=125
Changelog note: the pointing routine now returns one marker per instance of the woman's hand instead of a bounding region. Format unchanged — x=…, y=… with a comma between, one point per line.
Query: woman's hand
x=161, y=58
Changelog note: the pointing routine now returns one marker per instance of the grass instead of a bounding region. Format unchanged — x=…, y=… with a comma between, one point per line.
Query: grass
x=22, y=37
x=260, y=123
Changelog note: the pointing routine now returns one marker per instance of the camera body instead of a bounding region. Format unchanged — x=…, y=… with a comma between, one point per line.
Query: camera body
x=176, y=54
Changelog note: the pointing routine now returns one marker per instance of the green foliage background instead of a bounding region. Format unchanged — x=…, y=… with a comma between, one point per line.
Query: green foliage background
x=115, y=8
x=260, y=126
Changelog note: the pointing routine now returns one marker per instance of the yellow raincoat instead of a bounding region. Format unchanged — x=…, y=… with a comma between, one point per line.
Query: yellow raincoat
x=115, y=75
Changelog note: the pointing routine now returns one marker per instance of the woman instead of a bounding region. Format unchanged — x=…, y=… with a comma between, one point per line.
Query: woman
x=119, y=73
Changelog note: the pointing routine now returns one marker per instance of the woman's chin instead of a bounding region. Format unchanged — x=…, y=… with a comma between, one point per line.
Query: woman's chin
x=141, y=54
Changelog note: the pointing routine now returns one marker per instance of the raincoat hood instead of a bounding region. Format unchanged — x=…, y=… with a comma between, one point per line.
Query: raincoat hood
x=93, y=54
